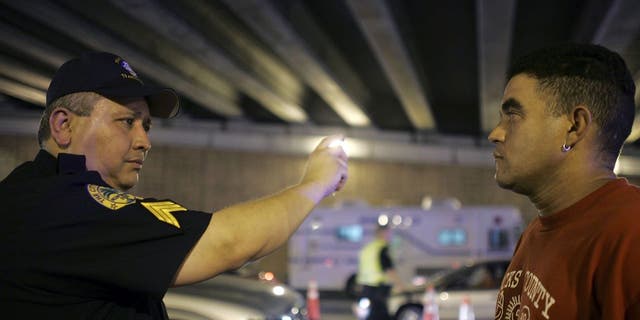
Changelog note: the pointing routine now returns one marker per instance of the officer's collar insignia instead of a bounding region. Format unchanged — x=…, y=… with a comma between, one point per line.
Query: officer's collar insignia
x=109, y=197
x=162, y=210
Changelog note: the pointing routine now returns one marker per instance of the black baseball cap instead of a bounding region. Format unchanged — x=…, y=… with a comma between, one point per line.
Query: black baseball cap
x=112, y=77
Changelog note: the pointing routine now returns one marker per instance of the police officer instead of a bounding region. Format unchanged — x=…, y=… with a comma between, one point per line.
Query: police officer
x=376, y=273
x=76, y=245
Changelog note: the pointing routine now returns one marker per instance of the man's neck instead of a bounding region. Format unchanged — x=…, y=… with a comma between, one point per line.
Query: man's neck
x=567, y=190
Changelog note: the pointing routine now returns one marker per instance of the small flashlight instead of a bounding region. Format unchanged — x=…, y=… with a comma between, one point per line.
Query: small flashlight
x=336, y=143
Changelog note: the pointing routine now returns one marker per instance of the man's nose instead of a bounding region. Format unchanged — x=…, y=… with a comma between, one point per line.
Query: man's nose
x=496, y=135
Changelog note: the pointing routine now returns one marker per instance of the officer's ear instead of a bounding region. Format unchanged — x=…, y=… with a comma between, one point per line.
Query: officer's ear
x=60, y=124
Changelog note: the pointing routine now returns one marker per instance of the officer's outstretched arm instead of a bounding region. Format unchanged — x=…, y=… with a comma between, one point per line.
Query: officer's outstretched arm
x=251, y=230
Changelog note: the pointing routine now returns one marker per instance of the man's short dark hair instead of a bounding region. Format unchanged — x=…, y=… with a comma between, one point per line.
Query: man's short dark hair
x=589, y=75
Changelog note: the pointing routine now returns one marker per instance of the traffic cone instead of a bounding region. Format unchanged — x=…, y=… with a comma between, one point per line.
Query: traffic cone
x=313, y=301
x=430, y=305
x=466, y=310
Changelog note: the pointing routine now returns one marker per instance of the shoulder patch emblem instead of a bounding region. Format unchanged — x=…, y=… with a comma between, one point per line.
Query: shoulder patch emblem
x=109, y=197
x=162, y=210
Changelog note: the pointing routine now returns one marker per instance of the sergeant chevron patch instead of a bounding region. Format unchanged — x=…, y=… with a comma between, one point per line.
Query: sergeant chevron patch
x=162, y=210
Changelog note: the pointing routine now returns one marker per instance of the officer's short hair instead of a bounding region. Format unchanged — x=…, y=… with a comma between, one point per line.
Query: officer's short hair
x=79, y=103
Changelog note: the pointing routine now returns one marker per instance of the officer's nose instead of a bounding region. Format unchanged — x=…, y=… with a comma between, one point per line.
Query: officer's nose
x=141, y=140
x=497, y=134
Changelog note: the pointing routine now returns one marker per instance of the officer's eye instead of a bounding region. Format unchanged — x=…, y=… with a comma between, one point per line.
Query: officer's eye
x=511, y=113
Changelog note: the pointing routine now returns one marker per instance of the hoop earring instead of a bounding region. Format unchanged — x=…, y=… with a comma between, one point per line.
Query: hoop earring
x=565, y=148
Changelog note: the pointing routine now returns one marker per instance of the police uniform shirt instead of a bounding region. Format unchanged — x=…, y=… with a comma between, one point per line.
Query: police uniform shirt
x=75, y=248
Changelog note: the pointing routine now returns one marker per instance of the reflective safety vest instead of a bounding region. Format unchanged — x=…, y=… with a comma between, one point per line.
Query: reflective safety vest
x=370, y=271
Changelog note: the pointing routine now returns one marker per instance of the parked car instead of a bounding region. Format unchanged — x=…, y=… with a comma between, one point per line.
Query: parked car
x=479, y=283
x=231, y=297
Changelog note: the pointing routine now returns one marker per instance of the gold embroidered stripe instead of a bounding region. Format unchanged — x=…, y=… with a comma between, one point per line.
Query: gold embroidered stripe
x=162, y=210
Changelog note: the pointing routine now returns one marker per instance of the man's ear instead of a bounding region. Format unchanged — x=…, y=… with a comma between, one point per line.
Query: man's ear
x=60, y=124
x=580, y=120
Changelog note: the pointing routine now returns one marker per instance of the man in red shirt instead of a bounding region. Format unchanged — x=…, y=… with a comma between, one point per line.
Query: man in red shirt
x=566, y=111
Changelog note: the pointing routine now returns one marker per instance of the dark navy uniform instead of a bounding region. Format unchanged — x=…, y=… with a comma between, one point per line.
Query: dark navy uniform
x=75, y=248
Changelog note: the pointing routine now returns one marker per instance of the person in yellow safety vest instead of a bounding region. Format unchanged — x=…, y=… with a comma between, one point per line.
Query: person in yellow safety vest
x=376, y=274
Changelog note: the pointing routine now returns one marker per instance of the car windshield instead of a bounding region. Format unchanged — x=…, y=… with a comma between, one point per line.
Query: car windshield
x=481, y=276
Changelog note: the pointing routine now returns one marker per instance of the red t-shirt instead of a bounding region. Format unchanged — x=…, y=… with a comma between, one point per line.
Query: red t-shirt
x=580, y=263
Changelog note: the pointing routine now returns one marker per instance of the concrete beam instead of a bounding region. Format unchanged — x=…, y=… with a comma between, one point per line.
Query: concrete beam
x=495, y=29
x=32, y=47
x=23, y=92
x=177, y=57
x=180, y=33
x=384, y=38
x=230, y=35
x=264, y=19
x=61, y=20
x=12, y=69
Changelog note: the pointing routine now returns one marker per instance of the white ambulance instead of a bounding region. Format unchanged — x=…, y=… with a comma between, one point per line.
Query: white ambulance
x=424, y=240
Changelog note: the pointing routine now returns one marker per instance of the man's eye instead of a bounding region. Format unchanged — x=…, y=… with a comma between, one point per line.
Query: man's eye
x=129, y=121
x=510, y=113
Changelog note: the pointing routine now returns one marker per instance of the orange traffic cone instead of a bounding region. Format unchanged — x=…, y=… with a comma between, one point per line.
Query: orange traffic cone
x=466, y=310
x=430, y=305
x=313, y=301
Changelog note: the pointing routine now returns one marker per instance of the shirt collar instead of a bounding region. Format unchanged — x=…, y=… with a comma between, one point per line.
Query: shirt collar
x=71, y=163
x=46, y=162
x=65, y=163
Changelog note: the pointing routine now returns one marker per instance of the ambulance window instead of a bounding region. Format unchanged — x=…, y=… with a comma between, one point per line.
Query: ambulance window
x=498, y=239
x=351, y=233
x=452, y=237
x=498, y=235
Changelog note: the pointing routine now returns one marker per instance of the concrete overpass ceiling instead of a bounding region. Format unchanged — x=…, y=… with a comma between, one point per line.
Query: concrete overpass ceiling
x=422, y=68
